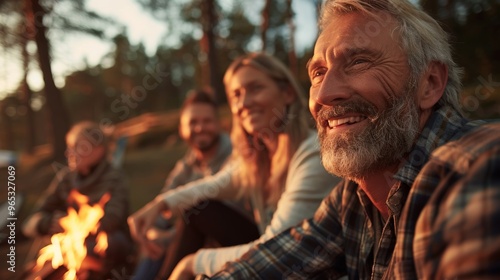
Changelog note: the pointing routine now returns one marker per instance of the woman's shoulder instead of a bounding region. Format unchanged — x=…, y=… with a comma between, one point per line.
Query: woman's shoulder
x=309, y=145
x=307, y=153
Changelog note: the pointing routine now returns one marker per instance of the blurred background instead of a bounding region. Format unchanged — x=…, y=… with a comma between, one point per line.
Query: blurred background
x=128, y=64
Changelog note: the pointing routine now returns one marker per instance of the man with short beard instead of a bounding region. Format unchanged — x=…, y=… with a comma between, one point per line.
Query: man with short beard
x=420, y=197
x=200, y=128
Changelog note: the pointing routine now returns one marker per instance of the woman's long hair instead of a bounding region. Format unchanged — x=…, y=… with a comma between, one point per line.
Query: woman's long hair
x=256, y=167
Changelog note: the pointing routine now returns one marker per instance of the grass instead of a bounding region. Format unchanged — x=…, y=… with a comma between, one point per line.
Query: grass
x=147, y=169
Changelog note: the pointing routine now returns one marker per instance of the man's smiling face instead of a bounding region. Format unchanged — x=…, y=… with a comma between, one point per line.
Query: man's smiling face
x=362, y=95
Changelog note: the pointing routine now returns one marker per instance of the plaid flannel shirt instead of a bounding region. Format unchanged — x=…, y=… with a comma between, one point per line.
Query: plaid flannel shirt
x=444, y=218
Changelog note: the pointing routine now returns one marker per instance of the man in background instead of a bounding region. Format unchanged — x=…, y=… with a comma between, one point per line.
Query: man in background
x=209, y=148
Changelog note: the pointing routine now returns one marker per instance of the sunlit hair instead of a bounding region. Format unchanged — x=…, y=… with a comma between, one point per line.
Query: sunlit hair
x=91, y=136
x=90, y=131
x=256, y=169
x=200, y=96
x=421, y=37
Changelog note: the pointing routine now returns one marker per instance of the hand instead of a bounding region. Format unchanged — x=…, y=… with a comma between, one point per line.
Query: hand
x=157, y=242
x=162, y=237
x=184, y=269
x=142, y=221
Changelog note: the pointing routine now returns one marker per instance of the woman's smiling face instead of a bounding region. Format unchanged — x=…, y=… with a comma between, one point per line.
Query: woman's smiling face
x=257, y=100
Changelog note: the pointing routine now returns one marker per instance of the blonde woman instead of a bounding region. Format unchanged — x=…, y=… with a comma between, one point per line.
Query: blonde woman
x=275, y=163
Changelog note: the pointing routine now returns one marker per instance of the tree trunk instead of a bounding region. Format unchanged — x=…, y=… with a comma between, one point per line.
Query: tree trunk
x=317, y=4
x=265, y=24
x=26, y=97
x=30, y=120
x=7, y=135
x=209, y=21
x=292, y=56
x=58, y=116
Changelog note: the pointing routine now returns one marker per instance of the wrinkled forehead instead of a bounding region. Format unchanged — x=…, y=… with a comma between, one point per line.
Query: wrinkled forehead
x=340, y=7
x=358, y=30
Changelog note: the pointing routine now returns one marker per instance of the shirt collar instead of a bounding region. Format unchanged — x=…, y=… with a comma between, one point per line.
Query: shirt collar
x=443, y=125
x=223, y=150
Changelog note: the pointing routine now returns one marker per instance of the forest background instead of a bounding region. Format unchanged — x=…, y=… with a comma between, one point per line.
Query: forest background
x=137, y=95
x=128, y=82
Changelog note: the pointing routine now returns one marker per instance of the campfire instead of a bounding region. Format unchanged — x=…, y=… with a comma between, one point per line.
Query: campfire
x=68, y=248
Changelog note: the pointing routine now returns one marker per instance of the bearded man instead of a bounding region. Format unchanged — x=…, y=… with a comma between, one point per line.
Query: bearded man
x=421, y=192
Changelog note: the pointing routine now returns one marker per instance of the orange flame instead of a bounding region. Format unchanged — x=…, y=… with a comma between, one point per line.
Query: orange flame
x=102, y=243
x=68, y=247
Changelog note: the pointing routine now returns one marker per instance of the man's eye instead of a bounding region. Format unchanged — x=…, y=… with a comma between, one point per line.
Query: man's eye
x=316, y=74
x=359, y=61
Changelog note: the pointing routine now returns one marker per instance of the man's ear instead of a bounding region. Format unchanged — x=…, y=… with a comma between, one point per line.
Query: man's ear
x=433, y=84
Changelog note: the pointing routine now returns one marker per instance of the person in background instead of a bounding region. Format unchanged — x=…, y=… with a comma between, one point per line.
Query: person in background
x=209, y=148
x=89, y=173
x=421, y=191
x=275, y=162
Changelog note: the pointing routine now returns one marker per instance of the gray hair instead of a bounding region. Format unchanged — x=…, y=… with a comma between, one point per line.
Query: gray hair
x=421, y=37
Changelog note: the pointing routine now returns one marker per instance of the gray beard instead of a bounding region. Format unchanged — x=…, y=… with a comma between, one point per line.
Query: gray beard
x=388, y=138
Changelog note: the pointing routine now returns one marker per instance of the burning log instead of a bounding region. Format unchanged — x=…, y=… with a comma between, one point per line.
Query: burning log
x=67, y=252
x=47, y=272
